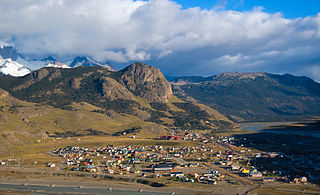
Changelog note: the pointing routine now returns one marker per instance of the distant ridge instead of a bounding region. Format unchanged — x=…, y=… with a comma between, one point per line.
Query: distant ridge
x=254, y=96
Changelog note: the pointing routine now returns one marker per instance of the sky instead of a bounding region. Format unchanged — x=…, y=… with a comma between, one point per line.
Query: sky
x=289, y=9
x=195, y=37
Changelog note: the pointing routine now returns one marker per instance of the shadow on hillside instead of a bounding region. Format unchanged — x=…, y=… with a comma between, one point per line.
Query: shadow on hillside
x=288, y=155
x=313, y=126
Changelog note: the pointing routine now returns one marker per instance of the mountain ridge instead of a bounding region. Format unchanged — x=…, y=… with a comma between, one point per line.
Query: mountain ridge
x=138, y=90
x=255, y=96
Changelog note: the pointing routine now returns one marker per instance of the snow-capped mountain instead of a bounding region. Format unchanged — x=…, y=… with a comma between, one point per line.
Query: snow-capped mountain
x=13, y=68
x=85, y=61
x=57, y=64
x=51, y=62
x=14, y=64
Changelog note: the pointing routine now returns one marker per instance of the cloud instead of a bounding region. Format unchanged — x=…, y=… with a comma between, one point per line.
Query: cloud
x=179, y=41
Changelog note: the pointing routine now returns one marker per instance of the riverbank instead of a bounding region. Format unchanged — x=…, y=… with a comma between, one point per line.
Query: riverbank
x=304, y=128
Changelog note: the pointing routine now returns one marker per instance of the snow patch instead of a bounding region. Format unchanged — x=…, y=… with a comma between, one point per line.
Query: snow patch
x=12, y=68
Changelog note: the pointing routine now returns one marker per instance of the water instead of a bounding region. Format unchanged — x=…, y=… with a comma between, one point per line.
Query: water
x=35, y=189
x=260, y=127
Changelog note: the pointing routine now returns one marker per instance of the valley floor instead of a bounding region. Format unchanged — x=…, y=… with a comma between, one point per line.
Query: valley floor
x=84, y=165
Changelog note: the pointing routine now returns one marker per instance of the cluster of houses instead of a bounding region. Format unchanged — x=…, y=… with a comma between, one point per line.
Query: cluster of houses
x=172, y=170
x=296, y=164
x=161, y=161
x=155, y=161
x=178, y=134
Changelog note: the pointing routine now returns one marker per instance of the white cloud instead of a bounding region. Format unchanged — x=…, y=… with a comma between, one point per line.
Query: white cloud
x=155, y=30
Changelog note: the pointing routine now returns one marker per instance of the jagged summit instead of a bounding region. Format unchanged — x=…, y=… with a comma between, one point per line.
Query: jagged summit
x=83, y=61
x=49, y=59
x=7, y=52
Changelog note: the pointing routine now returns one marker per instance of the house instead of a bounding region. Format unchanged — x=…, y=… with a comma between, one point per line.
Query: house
x=176, y=174
x=193, y=165
x=300, y=180
x=94, y=170
x=235, y=167
x=158, y=175
x=268, y=179
x=255, y=173
x=162, y=168
x=111, y=171
x=244, y=171
x=51, y=164
x=197, y=175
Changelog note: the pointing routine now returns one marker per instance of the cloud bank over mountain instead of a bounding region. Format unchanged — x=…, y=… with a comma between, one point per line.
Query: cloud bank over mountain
x=179, y=41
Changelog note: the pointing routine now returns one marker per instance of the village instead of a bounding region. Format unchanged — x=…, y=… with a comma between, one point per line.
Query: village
x=216, y=159
x=196, y=159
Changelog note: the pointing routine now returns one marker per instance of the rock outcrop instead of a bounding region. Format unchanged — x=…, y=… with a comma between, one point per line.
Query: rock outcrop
x=147, y=82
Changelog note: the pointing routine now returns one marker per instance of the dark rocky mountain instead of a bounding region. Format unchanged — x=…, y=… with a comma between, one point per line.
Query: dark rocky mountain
x=138, y=90
x=83, y=61
x=254, y=96
x=49, y=59
x=9, y=52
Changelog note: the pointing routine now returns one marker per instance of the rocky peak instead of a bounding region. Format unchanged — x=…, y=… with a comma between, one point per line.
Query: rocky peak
x=147, y=82
x=49, y=59
x=83, y=61
x=9, y=52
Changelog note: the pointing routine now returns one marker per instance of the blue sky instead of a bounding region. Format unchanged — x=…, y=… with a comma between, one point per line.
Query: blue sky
x=168, y=35
x=289, y=8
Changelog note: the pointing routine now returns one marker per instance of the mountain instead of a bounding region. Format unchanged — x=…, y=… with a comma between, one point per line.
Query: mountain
x=138, y=91
x=7, y=52
x=53, y=63
x=146, y=82
x=189, y=79
x=22, y=122
x=8, y=65
x=49, y=59
x=254, y=96
x=12, y=68
x=85, y=61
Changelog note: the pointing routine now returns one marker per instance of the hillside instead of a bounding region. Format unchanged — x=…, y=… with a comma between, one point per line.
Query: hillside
x=86, y=99
x=254, y=96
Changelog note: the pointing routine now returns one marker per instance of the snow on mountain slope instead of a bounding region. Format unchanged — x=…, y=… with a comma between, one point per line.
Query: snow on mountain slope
x=31, y=64
x=57, y=64
x=51, y=62
x=85, y=61
x=12, y=68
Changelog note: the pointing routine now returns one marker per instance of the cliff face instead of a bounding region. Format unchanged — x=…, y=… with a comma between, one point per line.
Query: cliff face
x=147, y=82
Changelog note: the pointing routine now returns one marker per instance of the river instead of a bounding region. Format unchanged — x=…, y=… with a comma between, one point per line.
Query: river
x=261, y=127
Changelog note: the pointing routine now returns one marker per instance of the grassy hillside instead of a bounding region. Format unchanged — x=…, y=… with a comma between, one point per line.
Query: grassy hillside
x=137, y=95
